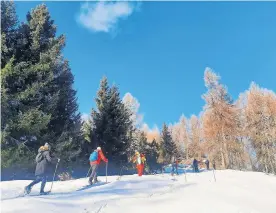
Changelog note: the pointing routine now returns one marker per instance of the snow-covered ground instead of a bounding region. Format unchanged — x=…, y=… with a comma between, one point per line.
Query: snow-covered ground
x=234, y=191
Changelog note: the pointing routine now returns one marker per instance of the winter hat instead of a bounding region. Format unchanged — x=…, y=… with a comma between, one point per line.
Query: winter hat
x=47, y=145
x=99, y=148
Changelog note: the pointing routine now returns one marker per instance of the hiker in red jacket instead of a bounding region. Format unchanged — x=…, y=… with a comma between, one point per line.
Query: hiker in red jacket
x=139, y=160
x=95, y=159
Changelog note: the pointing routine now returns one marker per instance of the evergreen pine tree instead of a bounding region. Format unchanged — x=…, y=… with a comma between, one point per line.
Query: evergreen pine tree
x=168, y=145
x=89, y=138
x=134, y=142
x=100, y=115
x=152, y=155
x=142, y=143
x=66, y=119
x=37, y=86
x=111, y=122
x=8, y=31
x=31, y=84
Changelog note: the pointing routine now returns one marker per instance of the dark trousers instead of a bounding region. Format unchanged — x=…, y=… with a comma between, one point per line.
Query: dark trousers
x=93, y=175
x=38, y=179
x=174, y=169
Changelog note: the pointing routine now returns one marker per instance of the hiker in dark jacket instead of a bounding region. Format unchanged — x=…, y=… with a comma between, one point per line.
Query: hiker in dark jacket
x=195, y=164
x=42, y=160
x=207, y=164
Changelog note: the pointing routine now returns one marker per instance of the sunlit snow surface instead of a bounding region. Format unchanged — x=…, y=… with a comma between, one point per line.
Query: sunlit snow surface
x=234, y=191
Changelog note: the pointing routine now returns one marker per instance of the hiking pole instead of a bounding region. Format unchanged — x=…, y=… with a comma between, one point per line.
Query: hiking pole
x=121, y=171
x=214, y=175
x=185, y=174
x=120, y=174
x=54, y=175
x=106, y=172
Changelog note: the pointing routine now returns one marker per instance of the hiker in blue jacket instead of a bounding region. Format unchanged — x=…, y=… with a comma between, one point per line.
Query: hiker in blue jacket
x=95, y=160
x=174, y=163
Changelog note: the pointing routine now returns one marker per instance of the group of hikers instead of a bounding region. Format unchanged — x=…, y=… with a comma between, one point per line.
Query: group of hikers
x=175, y=162
x=196, y=162
x=44, y=158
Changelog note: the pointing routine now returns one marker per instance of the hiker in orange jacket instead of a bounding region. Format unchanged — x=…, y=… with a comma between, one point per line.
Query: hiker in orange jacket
x=95, y=159
x=140, y=160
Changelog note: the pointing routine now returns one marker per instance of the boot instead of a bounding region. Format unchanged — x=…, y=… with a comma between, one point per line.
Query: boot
x=27, y=190
x=43, y=193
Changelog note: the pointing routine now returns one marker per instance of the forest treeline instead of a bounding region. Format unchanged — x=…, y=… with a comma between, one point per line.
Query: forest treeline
x=39, y=105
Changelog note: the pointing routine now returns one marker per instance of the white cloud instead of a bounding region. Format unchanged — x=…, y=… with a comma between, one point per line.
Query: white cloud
x=104, y=16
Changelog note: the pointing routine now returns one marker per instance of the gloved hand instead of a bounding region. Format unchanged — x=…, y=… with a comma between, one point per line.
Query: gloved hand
x=106, y=160
x=58, y=159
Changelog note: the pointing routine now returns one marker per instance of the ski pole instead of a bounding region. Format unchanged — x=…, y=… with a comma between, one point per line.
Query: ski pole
x=88, y=171
x=120, y=174
x=54, y=175
x=214, y=175
x=185, y=174
x=106, y=172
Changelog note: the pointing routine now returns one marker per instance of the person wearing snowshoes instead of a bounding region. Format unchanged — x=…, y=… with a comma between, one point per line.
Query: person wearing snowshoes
x=140, y=160
x=95, y=160
x=195, y=165
x=42, y=159
x=207, y=164
x=174, y=162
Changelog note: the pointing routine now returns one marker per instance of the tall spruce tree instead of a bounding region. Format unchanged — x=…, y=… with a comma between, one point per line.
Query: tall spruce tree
x=9, y=23
x=111, y=122
x=66, y=120
x=8, y=31
x=100, y=115
x=142, y=142
x=89, y=138
x=37, y=87
x=151, y=152
x=167, y=144
x=134, y=142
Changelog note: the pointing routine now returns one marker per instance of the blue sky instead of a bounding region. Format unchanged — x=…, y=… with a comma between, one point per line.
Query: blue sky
x=158, y=51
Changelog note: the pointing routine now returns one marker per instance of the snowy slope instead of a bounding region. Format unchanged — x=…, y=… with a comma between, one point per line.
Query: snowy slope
x=234, y=191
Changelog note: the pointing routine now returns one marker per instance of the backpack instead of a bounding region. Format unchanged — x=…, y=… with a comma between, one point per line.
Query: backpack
x=93, y=156
x=39, y=157
x=143, y=158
